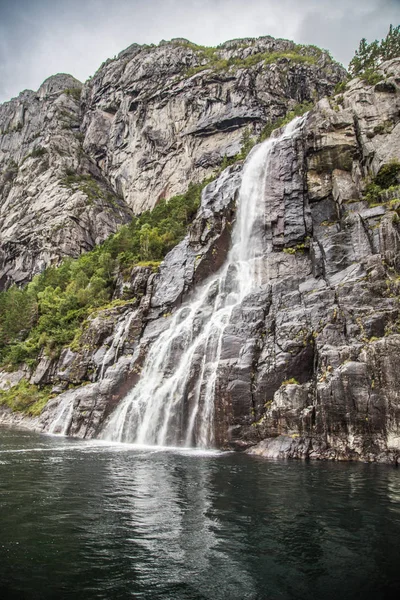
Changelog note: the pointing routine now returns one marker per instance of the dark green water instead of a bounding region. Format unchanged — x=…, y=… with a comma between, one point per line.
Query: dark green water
x=87, y=520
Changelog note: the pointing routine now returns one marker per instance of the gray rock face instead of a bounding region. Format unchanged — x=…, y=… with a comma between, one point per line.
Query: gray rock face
x=334, y=325
x=54, y=201
x=157, y=117
x=308, y=363
x=75, y=160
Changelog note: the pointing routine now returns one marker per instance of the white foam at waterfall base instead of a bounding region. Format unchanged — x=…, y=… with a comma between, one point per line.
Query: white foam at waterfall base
x=157, y=410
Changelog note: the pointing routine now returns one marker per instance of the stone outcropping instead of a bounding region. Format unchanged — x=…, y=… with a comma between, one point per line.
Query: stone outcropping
x=157, y=117
x=75, y=160
x=54, y=200
x=309, y=363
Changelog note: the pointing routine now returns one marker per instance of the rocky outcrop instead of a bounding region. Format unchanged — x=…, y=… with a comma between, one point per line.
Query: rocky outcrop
x=54, y=200
x=75, y=160
x=333, y=326
x=157, y=117
x=308, y=362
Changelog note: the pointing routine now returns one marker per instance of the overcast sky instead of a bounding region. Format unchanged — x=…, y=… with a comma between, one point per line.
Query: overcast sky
x=39, y=38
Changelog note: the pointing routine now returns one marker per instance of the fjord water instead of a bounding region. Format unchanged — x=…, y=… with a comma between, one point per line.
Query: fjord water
x=173, y=403
x=90, y=520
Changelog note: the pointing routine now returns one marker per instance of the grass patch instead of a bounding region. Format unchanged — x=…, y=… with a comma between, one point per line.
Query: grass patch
x=210, y=57
x=75, y=93
x=291, y=381
x=49, y=312
x=89, y=186
x=26, y=398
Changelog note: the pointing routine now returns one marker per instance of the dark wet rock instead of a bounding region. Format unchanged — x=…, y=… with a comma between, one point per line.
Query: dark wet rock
x=309, y=361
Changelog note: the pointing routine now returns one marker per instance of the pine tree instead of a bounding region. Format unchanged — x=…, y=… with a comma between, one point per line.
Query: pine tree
x=366, y=57
x=369, y=56
x=390, y=46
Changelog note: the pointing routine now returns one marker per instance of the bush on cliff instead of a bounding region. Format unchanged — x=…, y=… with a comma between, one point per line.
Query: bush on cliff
x=297, y=111
x=369, y=56
x=48, y=312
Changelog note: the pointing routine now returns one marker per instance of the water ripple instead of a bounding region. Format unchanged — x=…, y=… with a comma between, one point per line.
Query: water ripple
x=111, y=521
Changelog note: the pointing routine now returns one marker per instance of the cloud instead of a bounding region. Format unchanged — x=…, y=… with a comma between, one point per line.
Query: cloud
x=41, y=38
x=340, y=25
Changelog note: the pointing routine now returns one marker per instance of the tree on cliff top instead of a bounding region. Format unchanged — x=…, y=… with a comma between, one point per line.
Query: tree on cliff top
x=369, y=56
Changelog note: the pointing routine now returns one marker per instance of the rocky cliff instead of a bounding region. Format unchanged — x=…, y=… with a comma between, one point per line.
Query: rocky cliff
x=308, y=364
x=75, y=160
x=54, y=200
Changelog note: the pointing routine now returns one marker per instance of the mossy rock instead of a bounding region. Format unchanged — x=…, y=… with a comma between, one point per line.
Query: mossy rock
x=328, y=159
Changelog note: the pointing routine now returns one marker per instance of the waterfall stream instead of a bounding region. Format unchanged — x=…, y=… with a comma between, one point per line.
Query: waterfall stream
x=112, y=354
x=173, y=402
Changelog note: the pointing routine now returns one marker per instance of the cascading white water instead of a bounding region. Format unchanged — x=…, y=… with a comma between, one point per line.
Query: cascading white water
x=62, y=421
x=166, y=407
x=111, y=356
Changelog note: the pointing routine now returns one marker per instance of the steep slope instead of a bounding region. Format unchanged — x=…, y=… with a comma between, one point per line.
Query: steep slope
x=54, y=201
x=76, y=161
x=157, y=117
x=309, y=363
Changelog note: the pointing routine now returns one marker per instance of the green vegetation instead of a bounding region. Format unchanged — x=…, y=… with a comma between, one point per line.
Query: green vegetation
x=297, y=111
x=340, y=87
x=371, y=77
x=388, y=175
x=388, y=179
x=385, y=127
x=89, y=186
x=48, y=313
x=291, y=381
x=74, y=92
x=37, y=152
x=26, y=398
x=211, y=59
x=301, y=248
x=368, y=57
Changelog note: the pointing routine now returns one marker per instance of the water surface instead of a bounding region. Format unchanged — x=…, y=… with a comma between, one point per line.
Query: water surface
x=91, y=520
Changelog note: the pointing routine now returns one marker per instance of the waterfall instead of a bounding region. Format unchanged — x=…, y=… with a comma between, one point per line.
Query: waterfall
x=62, y=421
x=173, y=402
x=111, y=356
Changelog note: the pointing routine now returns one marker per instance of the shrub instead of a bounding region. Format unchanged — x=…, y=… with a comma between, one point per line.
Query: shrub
x=369, y=56
x=26, y=398
x=74, y=92
x=37, y=152
x=297, y=111
x=48, y=313
x=291, y=381
x=388, y=177
x=340, y=87
x=371, y=77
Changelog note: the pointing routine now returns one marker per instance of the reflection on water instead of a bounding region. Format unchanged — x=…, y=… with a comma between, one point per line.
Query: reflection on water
x=92, y=520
